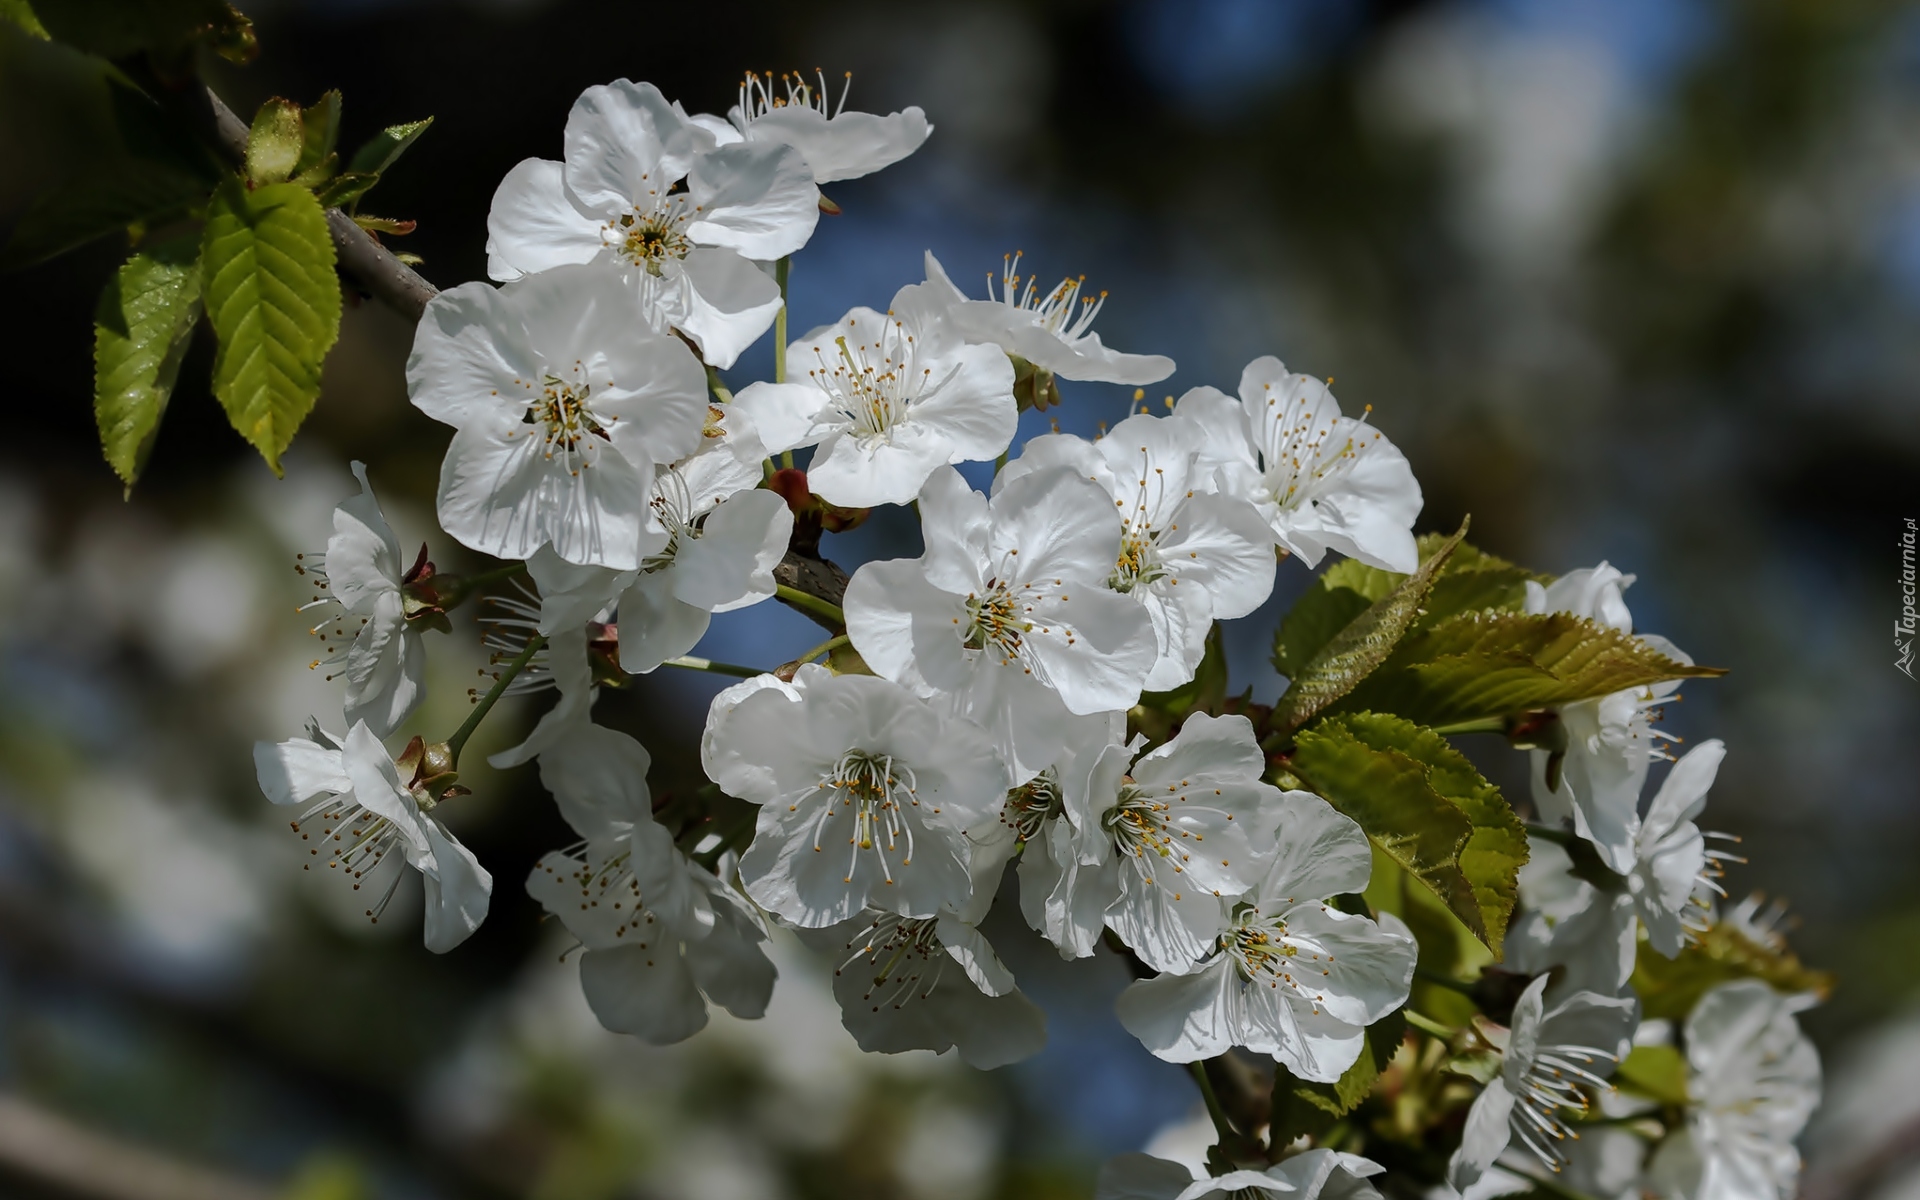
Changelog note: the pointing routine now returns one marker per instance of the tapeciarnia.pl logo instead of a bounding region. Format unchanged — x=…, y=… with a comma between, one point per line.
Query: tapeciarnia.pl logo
x=1903, y=627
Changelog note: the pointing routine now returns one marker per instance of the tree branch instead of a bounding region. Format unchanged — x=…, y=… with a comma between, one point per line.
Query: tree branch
x=50, y=1149
x=360, y=254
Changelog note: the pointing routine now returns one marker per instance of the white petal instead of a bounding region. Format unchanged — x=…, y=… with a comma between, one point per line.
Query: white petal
x=533, y=224
x=973, y=408
x=363, y=557
x=847, y=146
x=1180, y=1018
x=297, y=770
x=1141, y=1177
x=850, y=472
x=1320, y=852
x=625, y=146
x=656, y=625
x=788, y=415
x=730, y=303
x=598, y=778
x=730, y=565
x=458, y=890
x=757, y=199
x=1487, y=1134
x=385, y=669
x=645, y=990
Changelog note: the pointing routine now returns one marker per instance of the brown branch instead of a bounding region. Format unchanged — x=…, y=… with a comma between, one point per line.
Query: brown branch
x=360, y=254
x=816, y=577
x=52, y=1150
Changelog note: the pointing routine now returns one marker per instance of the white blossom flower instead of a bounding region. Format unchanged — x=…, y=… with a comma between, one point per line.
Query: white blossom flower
x=866, y=792
x=1322, y=480
x=1551, y=1057
x=1290, y=976
x=686, y=253
x=1753, y=1079
x=1007, y=613
x=660, y=935
x=931, y=983
x=725, y=535
x=362, y=574
x=1610, y=739
x=571, y=597
x=1188, y=555
x=358, y=812
x=1590, y=934
x=1052, y=330
x=887, y=399
x=1672, y=865
x=563, y=403
x=1310, y=1175
x=835, y=143
x=1156, y=850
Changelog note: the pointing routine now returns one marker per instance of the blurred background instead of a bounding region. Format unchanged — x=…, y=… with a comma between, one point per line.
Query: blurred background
x=1633, y=280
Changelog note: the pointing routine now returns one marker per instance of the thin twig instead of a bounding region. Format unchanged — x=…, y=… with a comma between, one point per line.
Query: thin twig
x=1222, y=1124
x=688, y=662
x=360, y=254
x=458, y=741
x=810, y=603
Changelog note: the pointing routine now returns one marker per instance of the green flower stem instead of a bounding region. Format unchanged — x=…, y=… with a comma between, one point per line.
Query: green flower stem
x=1550, y=833
x=519, y=662
x=780, y=270
x=1428, y=1025
x=719, y=389
x=688, y=662
x=1483, y=725
x=811, y=603
x=831, y=644
x=470, y=584
x=1445, y=981
x=1221, y=1122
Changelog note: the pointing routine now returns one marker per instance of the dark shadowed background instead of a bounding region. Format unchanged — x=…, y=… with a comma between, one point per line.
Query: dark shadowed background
x=1633, y=280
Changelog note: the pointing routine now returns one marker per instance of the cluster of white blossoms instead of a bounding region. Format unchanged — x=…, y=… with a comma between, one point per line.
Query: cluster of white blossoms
x=979, y=706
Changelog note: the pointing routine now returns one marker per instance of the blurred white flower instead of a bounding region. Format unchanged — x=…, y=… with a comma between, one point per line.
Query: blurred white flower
x=361, y=574
x=1189, y=555
x=856, y=762
x=1311, y=1175
x=686, y=253
x=1290, y=976
x=888, y=398
x=1322, y=480
x=1550, y=1059
x=1007, y=615
x=1674, y=874
x=563, y=403
x=1753, y=1079
x=571, y=598
x=364, y=814
x=1051, y=330
x=725, y=534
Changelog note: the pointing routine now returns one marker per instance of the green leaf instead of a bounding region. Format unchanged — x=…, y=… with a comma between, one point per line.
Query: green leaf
x=345, y=188
x=1656, y=1072
x=1388, y=794
x=1363, y=644
x=1320, y=613
x=1492, y=858
x=1670, y=987
x=274, y=302
x=320, y=131
x=1302, y=1108
x=380, y=152
x=141, y=331
x=1480, y=665
x=275, y=142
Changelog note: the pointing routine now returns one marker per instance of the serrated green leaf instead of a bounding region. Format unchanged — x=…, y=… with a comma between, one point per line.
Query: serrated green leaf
x=1656, y=1072
x=275, y=141
x=274, y=302
x=1493, y=855
x=1670, y=987
x=1481, y=665
x=320, y=131
x=384, y=148
x=1302, y=1108
x=345, y=188
x=1363, y=644
x=1389, y=795
x=142, y=328
x=1320, y=613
